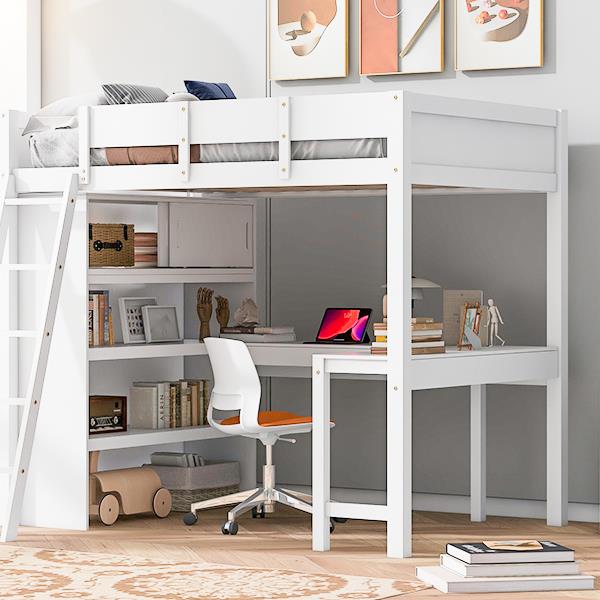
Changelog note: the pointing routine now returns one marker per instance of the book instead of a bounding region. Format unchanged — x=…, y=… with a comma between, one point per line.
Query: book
x=438, y=350
x=379, y=345
x=421, y=320
x=143, y=407
x=172, y=405
x=426, y=333
x=206, y=400
x=436, y=344
x=508, y=569
x=448, y=582
x=194, y=389
x=428, y=325
x=254, y=338
x=96, y=323
x=518, y=551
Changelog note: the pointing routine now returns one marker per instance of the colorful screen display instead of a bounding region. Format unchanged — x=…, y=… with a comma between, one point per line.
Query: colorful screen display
x=344, y=325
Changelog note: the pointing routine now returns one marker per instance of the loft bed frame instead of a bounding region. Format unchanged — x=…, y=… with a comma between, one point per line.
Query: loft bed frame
x=434, y=145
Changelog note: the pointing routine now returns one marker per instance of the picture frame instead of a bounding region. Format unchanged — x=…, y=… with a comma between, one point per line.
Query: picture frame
x=160, y=324
x=308, y=39
x=470, y=321
x=401, y=37
x=498, y=34
x=132, y=323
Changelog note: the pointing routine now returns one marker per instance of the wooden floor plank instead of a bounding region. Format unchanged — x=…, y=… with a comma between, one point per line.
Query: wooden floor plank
x=283, y=540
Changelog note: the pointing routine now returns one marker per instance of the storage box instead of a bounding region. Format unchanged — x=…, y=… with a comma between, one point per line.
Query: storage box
x=194, y=484
x=111, y=245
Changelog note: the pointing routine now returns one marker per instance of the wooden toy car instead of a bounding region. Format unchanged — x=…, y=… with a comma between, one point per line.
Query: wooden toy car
x=127, y=492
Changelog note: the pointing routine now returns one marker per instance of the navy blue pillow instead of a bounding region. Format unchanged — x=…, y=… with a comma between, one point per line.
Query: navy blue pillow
x=209, y=91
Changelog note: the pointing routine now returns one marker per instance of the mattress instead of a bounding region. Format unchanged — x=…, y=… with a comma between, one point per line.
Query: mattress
x=60, y=148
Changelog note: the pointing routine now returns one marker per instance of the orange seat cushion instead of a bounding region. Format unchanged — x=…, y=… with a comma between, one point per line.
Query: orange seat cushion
x=272, y=418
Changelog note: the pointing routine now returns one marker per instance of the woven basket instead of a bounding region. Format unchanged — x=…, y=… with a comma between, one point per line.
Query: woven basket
x=111, y=245
x=183, y=499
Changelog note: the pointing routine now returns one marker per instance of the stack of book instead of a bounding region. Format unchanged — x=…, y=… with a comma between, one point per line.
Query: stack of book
x=100, y=325
x=427, y=336
x=170, y=404
x=506, y=566
x=257, y=334
x=379, y=344
x=145, y=250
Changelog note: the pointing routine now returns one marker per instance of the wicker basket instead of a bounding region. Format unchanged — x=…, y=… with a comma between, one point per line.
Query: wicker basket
x=194, y=484
x=111, y=245
x=183, y=499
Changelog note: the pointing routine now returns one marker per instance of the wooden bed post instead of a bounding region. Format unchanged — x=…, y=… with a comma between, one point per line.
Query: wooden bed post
x=399, y=272
x=557, y=416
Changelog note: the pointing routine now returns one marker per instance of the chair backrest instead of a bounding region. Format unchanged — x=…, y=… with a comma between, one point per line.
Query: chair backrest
x=236, y=382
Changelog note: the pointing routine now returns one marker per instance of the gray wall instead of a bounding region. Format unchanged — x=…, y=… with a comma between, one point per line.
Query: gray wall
x=494, y=243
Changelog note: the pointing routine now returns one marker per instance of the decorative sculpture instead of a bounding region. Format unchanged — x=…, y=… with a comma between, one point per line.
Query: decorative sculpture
x=222, y=311
x=247, y=313
x=204, y=308
x=493, y=322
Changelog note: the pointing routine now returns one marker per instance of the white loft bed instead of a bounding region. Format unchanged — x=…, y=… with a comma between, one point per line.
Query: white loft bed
x=450, y=145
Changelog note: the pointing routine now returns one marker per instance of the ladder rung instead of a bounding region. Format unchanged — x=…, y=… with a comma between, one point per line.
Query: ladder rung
x=39, y=201
x=25, y=267
x=19, y=333
x=14, y=401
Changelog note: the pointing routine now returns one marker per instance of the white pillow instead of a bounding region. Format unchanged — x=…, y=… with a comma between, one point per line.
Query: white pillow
x=61, y=113
x=182, y=97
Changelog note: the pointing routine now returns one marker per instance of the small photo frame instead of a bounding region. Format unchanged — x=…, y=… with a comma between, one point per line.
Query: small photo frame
x=132, y=323
x=160, y=324
x=470, y=322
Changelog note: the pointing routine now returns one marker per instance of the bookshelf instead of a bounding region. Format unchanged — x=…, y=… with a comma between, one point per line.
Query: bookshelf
x=136, y=276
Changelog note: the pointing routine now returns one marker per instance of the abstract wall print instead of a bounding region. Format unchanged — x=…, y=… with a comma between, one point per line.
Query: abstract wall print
x=308, y=39
x=499, y=34
x=401, y=36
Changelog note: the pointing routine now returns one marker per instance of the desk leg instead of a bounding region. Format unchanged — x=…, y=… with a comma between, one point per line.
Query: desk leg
x=399, y=472
x=478, y=453
x=321, y=483
x=556, y=453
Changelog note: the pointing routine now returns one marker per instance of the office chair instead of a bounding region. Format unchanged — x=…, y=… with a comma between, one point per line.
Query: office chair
x=237, y=388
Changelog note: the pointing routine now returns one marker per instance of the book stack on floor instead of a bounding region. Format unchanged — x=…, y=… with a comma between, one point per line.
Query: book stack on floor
x=506, y=566
x=427, y=337
x=145, y=250
x=100, y=325
x=257, y=334
x=166, y=405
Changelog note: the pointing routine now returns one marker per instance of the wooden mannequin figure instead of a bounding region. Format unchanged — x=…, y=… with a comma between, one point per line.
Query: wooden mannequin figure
x=204, y=308
x=222, y=311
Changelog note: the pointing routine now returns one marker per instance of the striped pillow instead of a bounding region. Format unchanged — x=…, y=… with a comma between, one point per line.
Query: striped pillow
x=125, y=93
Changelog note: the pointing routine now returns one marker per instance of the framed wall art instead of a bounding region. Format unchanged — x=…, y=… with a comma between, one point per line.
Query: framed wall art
x=132, y=322
x=160, y=324
x=401, y=36
x=308, y=39
x=499, y=34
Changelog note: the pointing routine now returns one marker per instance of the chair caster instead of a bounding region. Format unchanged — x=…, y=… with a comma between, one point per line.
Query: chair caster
x=190, y=518
x=258, y=514
x=229, y=528
x=340, y=520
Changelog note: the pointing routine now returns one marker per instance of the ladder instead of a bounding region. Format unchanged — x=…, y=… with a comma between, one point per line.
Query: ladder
x=30, y=402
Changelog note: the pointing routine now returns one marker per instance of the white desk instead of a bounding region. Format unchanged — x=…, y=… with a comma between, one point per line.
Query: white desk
x=519, y=365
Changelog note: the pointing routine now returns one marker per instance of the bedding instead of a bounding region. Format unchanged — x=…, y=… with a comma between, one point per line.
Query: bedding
x=127, y=93
x=60, y=148
x=204, y=90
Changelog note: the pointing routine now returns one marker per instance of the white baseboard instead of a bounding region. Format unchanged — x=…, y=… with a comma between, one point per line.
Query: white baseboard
x=499, y=507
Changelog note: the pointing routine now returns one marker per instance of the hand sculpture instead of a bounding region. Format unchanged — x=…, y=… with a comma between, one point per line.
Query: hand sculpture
x=204, y=308
x=222, y=311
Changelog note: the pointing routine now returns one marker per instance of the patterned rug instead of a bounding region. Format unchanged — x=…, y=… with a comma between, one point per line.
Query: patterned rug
x=30, y=573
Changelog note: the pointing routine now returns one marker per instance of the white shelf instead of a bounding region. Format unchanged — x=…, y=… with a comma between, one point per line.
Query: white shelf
x=132, y=351
x=151, y=437
x=130, y=275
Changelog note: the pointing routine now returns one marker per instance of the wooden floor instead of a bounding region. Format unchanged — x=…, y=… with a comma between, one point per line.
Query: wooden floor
x=283, y=540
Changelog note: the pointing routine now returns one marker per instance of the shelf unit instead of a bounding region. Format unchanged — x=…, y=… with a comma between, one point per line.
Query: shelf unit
x=128, y=275
x=135, y=438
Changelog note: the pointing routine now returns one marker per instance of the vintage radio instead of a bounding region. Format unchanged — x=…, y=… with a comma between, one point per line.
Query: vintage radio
x=108, y=414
